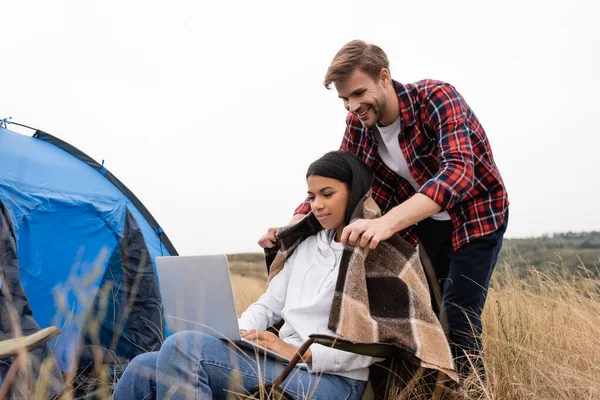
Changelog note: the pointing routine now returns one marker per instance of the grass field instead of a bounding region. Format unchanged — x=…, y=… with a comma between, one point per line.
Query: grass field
x=541, y=332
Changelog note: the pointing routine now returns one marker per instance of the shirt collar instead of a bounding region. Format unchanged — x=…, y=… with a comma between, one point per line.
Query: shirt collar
x=326, y=244
x=407, y=112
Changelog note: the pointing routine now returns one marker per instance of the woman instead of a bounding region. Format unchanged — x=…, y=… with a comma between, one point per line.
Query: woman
x=200, y=366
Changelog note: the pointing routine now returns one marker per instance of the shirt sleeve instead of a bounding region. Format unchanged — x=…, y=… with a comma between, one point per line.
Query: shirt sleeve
x=327, y=359
x=303, y=208
x=445, y=113
x=348, y=141
x=266, y=311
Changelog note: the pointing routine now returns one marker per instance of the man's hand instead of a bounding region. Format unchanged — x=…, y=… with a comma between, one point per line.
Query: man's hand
x=273, y=342
x=269, y=239
x=372, y=231
x=368, y=232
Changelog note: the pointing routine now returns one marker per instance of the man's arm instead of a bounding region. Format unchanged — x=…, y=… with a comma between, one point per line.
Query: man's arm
x=351, y=131
x=445, y=114
x=413, y=210
x=297, y=218
x=369, y=232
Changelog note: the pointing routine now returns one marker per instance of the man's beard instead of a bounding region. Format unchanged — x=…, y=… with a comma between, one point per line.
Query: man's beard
x=378, y=108
x=380, y=104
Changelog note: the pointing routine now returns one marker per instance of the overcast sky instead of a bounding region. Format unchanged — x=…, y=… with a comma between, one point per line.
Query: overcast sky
x=210, y=112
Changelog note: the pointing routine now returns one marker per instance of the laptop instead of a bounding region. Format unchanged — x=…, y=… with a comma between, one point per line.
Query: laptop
x=197, y=295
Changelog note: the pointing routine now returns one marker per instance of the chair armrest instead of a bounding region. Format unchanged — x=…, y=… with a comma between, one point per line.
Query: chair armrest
x=12, y=347
x=380, y=350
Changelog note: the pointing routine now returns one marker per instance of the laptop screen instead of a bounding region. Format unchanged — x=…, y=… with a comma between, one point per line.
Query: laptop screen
x=197, y=295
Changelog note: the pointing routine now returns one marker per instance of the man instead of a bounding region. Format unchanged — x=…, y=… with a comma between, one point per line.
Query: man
x=435, y=181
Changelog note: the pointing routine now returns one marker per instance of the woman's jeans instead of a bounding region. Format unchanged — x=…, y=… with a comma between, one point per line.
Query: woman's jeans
x=194, y=365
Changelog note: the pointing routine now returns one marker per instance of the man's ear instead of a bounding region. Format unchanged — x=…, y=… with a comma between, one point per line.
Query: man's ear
x=385, y=77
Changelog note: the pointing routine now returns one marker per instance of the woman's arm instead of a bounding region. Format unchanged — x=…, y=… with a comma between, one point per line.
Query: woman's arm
x=266, y=311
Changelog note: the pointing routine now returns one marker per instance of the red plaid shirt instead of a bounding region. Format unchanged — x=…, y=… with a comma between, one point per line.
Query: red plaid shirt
x=448, y=154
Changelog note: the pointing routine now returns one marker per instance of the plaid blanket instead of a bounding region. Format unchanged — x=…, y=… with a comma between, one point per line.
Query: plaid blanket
x=381, y=295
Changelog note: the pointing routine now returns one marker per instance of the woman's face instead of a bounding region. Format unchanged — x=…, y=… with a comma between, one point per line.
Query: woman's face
x=328, y=200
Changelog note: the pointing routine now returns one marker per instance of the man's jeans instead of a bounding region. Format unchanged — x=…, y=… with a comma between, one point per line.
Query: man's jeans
x=464, y=276
x=194, y=365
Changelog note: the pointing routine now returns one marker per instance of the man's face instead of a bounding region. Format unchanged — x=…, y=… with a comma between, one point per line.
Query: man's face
x=363, y=97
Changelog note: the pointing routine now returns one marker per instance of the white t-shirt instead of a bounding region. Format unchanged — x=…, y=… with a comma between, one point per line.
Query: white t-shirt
x=302, y=293
x=391, y=155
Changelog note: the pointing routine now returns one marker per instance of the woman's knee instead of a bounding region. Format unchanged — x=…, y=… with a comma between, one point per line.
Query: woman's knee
x=138, y=380
x=190, y=343
x=145, y=362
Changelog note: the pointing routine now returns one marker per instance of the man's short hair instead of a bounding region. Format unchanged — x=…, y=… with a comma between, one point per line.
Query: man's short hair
x=369, y=58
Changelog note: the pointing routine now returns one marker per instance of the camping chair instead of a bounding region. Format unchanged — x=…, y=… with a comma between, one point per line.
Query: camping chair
x=274, y=391
x=18, y=348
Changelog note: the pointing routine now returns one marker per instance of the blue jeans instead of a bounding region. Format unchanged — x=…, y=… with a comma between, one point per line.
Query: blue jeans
x=194, y=365
x=464, y=275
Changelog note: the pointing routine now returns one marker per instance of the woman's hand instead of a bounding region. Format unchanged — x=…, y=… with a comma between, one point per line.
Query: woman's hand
x=273, y=342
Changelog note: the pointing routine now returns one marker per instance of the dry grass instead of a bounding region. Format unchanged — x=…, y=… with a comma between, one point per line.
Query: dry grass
x=541, y=334
x=246, y=290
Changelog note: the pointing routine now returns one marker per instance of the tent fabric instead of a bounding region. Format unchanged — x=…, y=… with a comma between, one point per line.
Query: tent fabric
x=86, y=247
x=112, y=179
x=137, y=314
x=15, y=312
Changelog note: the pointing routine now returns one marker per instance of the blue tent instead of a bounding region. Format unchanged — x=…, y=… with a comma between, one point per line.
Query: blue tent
x=85, y=249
